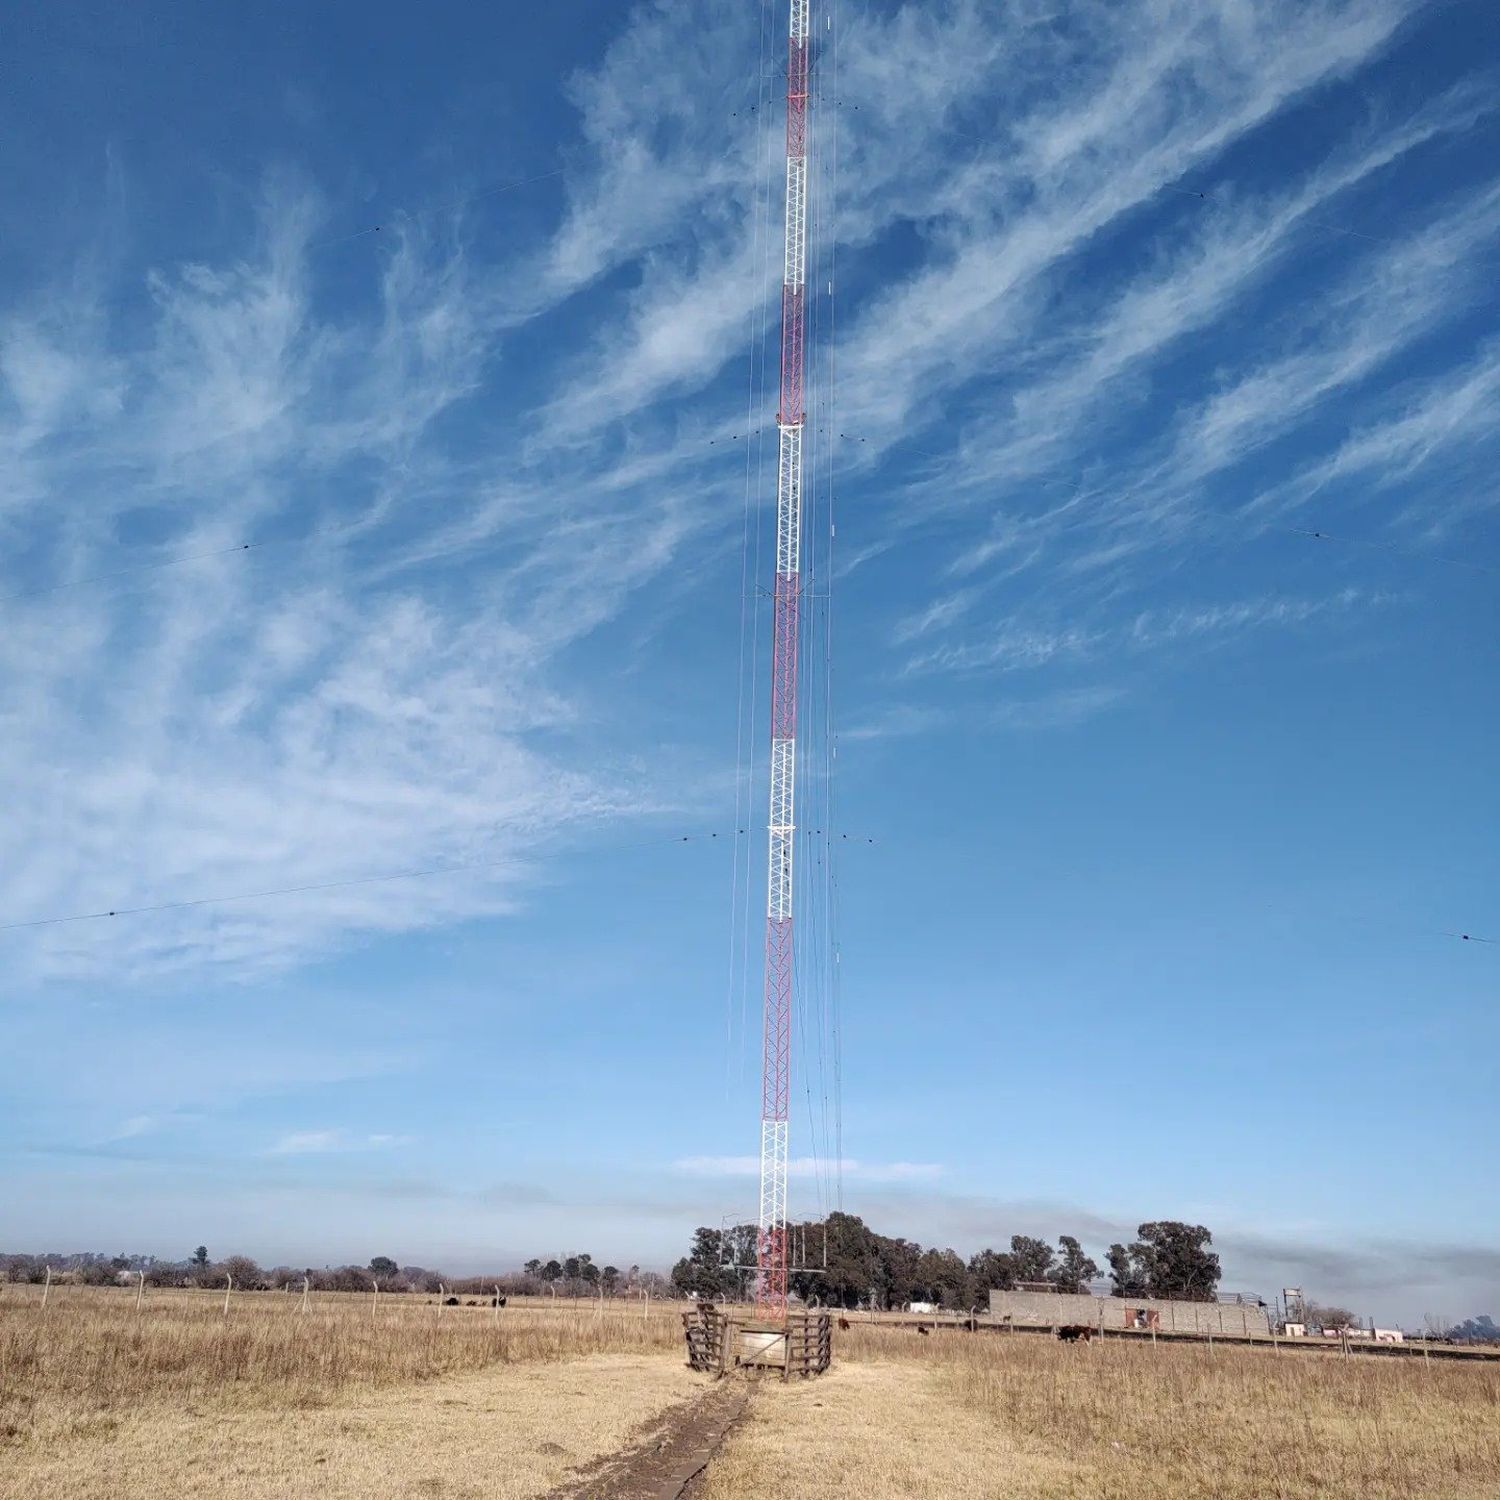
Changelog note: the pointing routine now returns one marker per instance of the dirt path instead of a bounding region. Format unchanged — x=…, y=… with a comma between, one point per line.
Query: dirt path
x=671, y=1454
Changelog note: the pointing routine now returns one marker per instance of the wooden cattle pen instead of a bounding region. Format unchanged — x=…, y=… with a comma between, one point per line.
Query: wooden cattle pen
x=719, y=1342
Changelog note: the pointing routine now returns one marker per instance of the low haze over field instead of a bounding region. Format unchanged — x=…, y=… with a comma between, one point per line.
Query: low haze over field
x=387, y=433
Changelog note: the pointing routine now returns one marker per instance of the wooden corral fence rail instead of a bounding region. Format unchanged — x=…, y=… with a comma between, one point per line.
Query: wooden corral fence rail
x=718, y=1343
x=809, y=1343
x=710, y=1337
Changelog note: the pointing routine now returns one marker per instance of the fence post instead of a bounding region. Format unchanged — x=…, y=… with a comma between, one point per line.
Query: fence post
x=47, y=1288
x=646, y=1307
x=228, y=1288
x=442, y=1292
x=375, y=1300
x=140, y=1290
x=302, y=1306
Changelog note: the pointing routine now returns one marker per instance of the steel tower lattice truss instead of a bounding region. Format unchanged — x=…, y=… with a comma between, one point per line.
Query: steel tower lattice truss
x=771, y=1241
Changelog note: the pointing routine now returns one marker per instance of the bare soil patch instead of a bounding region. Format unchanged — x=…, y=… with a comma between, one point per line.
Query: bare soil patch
x=670, y=1455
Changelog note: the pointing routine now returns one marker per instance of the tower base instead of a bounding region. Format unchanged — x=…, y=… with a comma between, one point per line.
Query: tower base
x=718, y=1342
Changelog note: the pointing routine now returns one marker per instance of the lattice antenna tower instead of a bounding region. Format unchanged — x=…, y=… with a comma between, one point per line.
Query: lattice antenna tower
x=771, y=1239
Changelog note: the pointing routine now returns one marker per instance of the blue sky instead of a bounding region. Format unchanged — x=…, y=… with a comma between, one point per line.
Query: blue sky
x=1162, y=816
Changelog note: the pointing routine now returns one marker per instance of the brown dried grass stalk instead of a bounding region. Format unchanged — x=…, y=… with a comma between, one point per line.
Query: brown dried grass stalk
x=1136, y=1421
x=90, y=1353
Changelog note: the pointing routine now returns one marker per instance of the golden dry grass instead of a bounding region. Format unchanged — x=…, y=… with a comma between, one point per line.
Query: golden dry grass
x=511, y=1432
x=998, y=1415
x=869, y=1428
x=97, y=1399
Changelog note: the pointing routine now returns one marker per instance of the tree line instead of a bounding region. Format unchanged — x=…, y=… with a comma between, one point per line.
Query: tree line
x=569, y=1276
x=842, y=1262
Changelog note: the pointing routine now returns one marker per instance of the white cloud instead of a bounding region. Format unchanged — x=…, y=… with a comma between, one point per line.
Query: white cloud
x=323, y=1142
x=309, y=712
x=245, y=723
x=1015, y=647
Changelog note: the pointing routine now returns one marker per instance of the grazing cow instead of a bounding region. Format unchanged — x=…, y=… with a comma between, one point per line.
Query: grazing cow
x=923, y=1329
x=450, y=1301
x=497, y=1301
x=844, y=1325
x=1074, y=1332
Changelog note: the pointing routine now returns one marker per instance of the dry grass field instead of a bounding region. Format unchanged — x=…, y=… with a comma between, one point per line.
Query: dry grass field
x=1002, y=1416
x=346, y=1400
x=350, y=1401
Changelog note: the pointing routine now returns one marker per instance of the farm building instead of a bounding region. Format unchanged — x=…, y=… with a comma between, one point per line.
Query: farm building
x=1059, y=1309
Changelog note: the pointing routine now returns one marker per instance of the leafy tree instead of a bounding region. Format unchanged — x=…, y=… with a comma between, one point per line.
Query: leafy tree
x=533, y=1268
x=383, y=1265
x=943, y=1278
x=200, y=1256
x=611, y=1276
x=740, y=1242
x=1126, y=1271
x=991, y=1270
x=1177, y=1260
x=1170, y=1259
x=1030, y=1258
x=1075, y=1270
x=702, y=1272
x=570, y=1268
x=855, y=1269
x=552, y=1271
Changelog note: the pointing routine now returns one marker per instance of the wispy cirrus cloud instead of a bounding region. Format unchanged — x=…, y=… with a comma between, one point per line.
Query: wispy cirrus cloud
x=1058, y=709
x=1016, y=647
x=309, y=712
x=324, y=1142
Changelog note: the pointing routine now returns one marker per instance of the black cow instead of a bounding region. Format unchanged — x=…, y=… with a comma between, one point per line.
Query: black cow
x=1074, y=1332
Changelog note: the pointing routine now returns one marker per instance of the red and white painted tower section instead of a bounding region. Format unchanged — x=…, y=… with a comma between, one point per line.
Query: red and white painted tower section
x=771, y=1244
